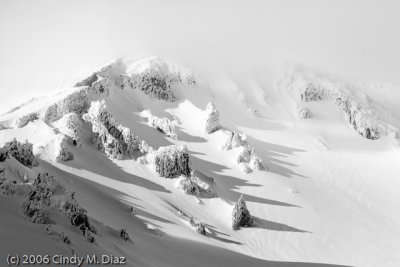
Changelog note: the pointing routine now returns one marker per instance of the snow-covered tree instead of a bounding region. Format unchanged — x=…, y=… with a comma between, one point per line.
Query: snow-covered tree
x=240, y=215
x=211, y=120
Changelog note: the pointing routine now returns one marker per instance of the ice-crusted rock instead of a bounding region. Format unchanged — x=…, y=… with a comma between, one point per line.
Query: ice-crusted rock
x=304, y=113
x=24, y=120
x=171, y=161
x=211, y=121
x=241, y=216
x=153, y=77
x=246, y=158
x=22, y=152
x=112, y=138
x=164, y=125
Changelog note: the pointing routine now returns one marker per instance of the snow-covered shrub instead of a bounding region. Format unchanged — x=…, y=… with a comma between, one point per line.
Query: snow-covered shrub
x=124, y=235
x=357, y=112
x=358, y=117
x=76, y=102
x=171, y=161
x=211, y=120
x=245, y=156
x=256, y=163
x=193, y=185
x=62, y=152
x=71, y=125
x=235, y=139
x=38, y=200
x=199, y=226
x=311, y=93
x=22, y=152
x=153, y=77
x=164, y=125
x=304, y=113
x=24, y=120
x=241, y=216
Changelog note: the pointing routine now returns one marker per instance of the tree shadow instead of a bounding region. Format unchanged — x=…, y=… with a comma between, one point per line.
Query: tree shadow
x=185, y=137
x=113, y=201
x=226, y=186
x=275, y=226
x=273, y=154
x=89, y=159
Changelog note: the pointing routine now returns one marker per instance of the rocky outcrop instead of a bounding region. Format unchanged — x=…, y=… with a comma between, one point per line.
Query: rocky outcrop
x=164, y=125
x=112, y=138
x=245, y=156
x=24, y=120
x=241, y=216
x=304, y=113
x=211, y=120
x=171, y=161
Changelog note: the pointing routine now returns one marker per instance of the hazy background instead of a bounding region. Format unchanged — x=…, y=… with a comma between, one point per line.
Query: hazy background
x=43, y=43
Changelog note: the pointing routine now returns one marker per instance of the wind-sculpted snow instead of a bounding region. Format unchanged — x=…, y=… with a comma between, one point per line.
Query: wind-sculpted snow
x=211, y=120
x=164, y=125
x=112, y=138
x=246, y=158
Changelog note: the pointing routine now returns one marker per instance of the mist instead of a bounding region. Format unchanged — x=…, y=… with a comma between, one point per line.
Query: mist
x=45, y=43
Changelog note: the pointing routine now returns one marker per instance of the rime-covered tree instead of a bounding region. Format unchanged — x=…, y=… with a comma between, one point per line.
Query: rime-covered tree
x=241, y=215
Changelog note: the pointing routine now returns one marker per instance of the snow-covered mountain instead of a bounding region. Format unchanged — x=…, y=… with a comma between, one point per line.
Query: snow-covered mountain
x=147, y=160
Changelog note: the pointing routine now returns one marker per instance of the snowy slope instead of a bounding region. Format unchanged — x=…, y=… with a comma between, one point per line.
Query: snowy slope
x=329, y=195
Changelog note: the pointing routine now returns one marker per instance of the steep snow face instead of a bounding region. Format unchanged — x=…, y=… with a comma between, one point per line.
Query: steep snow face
x=326, y=186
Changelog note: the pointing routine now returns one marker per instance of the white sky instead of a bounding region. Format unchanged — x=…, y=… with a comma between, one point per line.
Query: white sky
x=45, y=42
